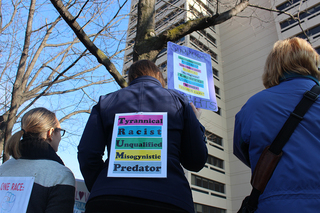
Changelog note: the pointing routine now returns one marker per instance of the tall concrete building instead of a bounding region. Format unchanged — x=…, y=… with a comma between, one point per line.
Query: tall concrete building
x=238, y=50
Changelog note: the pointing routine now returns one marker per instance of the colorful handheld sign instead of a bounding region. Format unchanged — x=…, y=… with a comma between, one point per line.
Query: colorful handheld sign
x=15, y=193
x=81, y=197
x=190, y=73
x=139, y=145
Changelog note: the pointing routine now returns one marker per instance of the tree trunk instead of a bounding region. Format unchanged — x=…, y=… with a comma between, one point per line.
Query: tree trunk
x=145, y=46
x=17, y=91
x=3, y=125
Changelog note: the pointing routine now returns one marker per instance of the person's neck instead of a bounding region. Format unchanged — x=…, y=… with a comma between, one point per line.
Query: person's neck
x=290, y=75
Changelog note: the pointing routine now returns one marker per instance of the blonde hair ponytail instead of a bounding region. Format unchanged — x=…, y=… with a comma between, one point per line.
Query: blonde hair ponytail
x=12, y=145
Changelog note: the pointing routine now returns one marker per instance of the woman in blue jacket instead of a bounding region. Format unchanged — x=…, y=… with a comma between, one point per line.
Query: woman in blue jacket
x=186, y=146
x=291, y=69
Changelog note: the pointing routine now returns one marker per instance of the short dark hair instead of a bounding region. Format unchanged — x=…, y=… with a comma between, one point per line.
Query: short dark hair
x=145, y=68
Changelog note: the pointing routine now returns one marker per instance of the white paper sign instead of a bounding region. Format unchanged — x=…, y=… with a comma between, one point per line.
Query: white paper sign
x=81, y=197
x=15, y=193
x=139, y=145
x=190, y=73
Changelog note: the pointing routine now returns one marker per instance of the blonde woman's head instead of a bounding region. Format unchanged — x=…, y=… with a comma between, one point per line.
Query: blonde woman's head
x=39, y=123
x=293, y=55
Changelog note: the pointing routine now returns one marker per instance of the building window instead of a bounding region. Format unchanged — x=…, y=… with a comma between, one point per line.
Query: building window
x=207, y=183
x=213, y=138
x=163, y=66
x=302, y=15
x=134, y=6
x=167, y=3
x=215, y=73
x=169, y=17
x=211, y=39
x=287, y=5
x=217, y=90
x=195, y=12
x=318, y=50
x=129, y=58
x=200, y=208
x=132, y=31
x=204, y=48
x=133, y=19
x=215, y=161
x=162, y=9
x=204, y=7
x=131, y=42
x=203, y=32
x=177, y=24
x=208, y=37
x=180, y=41
x=213, y=28
x=164, y=50
x=312, y=32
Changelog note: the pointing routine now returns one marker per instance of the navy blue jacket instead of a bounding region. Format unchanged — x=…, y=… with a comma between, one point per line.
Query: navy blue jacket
x=186, y=144
x=294, y=185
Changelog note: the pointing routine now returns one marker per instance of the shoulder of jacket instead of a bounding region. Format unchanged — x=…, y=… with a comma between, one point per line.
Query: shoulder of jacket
x=60, y=174
x=109, y=95
x=46, y=172
x=177, y=95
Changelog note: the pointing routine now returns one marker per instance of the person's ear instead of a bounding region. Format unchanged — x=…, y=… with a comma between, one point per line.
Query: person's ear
x=49, y=133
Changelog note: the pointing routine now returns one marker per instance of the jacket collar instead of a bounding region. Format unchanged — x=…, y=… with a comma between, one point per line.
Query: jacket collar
x=36, y=149
x=146, y=78
x=291, y=75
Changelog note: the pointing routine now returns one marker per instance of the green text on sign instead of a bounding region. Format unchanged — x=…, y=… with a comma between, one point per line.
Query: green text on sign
x=188, y=60
x=138, y=143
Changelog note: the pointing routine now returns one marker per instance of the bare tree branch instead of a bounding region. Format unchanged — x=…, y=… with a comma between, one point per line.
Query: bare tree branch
x=48, y=86
x=15, y=10
x=75, y=18
x=101, y=57
x=88, y=96
x=74, y=113
x=37, y=54
x=79, y=88
x=284, y=12
x=114, y=17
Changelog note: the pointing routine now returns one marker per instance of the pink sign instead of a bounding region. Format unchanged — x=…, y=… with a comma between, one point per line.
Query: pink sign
x=190, y=86
x=190, y=68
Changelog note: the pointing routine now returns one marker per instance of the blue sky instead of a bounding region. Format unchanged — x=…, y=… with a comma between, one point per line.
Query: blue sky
x=68, y=102
x=68, y=145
